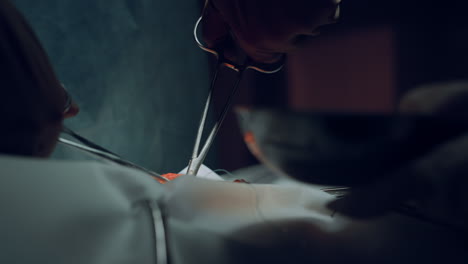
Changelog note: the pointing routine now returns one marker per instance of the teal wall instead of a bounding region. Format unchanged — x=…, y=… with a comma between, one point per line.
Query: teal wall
x=133, y=67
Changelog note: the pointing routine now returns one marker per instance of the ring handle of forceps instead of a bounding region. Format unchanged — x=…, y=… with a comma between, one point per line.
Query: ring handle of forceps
x=259, y=67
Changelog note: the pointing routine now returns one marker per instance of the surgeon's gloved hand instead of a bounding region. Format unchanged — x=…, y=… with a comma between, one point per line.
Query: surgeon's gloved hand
x=265, y=29
x=437, y=183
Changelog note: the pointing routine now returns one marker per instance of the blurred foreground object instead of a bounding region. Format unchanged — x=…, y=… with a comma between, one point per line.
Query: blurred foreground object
x=342, y=149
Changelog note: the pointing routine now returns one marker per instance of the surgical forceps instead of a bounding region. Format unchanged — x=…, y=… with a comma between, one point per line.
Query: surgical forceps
x=198, y=156
x=94, y=149
x=100, y=152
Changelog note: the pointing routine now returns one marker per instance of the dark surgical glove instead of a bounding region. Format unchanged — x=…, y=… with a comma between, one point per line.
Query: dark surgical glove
x=435, y=183
x=265, y=29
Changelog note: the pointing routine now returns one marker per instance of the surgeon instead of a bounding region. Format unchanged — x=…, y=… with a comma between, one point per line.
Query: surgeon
x=57, y=211
x=34, y=103
x=268, y=29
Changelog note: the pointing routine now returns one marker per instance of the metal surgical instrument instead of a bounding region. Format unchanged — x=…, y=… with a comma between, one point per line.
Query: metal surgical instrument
x=198, y=156
x=100, y=152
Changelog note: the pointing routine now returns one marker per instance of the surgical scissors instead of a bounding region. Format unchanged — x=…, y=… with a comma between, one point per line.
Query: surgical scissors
x=198, y=156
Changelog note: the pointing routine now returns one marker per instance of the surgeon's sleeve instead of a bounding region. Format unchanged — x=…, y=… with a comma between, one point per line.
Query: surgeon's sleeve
x=63, y=212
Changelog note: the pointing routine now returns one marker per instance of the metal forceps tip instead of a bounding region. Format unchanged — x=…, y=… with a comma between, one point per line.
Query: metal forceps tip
x=198, y=156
